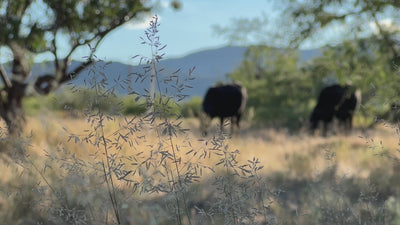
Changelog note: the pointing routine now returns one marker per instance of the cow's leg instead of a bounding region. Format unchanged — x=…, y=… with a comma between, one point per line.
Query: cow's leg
x=349, y=124
x=221, y=124
x=340, y=125
x=237, y=122
x=234, y=122
x=325, y=128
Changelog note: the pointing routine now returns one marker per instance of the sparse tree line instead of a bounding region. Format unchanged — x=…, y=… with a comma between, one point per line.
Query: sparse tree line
x=281, y=89
x=365, y=53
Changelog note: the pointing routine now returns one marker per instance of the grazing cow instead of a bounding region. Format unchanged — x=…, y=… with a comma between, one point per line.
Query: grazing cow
x=335, y=102
x=222, y=102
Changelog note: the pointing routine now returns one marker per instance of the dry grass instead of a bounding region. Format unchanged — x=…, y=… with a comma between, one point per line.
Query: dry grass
x=298, y=162
x=356, y=153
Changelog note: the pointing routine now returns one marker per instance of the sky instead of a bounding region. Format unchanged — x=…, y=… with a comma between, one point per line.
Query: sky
x=185, y=31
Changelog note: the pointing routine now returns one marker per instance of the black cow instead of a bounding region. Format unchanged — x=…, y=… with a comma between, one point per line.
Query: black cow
x=222, y=102
x=335, y=102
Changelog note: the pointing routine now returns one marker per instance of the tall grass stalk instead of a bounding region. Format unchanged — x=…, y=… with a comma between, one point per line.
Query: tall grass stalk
x=97, y=119
x=175, y=178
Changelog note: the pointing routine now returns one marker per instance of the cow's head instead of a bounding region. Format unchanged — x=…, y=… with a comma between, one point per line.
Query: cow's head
x=205, y=122
x=314, y=120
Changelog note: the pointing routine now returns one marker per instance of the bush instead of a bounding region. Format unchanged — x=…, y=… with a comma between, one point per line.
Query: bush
x=166, y=107
x=192, y=108
x=32, y=105
x=132, y=106
x=85, y=99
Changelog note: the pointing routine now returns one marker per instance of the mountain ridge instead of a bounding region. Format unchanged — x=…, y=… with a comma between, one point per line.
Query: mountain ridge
x=210, y=66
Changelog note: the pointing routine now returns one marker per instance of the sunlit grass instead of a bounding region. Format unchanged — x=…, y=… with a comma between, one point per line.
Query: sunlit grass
x=356, y=153
x=60, y=161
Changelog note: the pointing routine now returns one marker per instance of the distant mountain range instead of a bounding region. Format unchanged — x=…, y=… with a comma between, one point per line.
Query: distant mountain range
x=210, y=66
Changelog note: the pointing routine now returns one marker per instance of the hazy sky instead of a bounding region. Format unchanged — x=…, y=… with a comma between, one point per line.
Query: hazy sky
x=185, y=31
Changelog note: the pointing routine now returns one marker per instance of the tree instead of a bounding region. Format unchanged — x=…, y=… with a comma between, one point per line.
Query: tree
x=278, y=90
x=343, y=19
x=312, y=23
x=366, y=34
x=31, y=27
x=359, y=40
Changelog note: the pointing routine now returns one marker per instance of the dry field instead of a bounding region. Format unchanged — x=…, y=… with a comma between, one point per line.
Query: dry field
x=356, y=153
x=61, y=166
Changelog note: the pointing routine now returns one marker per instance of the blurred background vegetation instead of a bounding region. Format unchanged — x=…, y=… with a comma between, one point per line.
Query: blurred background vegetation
x=282, y=89
x=73, y=103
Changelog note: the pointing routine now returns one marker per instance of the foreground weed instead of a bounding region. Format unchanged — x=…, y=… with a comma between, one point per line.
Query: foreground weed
x=241, y=195
x=143, y=170
x=140, y=157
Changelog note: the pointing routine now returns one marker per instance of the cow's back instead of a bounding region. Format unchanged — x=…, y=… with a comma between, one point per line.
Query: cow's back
x=335, y=101
x=349, y=104
x=330, y=97
x=224, y=101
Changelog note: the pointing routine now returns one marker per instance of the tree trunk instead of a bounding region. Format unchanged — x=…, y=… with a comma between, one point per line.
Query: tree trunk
x=13, y=111
x=14, y=91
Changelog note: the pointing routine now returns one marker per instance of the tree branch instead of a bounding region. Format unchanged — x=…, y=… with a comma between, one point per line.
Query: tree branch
x=4, y=77
x=73, y=74
x=386, y=37
x=99, y=35
x=47, y=83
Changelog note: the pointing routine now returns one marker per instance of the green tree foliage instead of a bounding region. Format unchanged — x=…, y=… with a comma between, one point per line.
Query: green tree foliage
x=33, y=27
x=192, y=107
x=362, y=64
x=328, y=20
x=358, y=40
x=277, y=88
x=366, y=36
x=283, y=90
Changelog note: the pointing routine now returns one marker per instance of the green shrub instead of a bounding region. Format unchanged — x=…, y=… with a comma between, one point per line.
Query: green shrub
x=192, y=107
x=166, y=107
x=32, y=105
x=133, y=106
x=84, y=99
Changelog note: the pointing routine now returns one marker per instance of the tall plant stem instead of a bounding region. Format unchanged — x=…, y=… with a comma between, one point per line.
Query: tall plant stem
x=179, y=177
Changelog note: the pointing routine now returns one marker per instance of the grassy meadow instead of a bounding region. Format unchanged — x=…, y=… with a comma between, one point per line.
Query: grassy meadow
x=356, y=153
x=134, y=170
